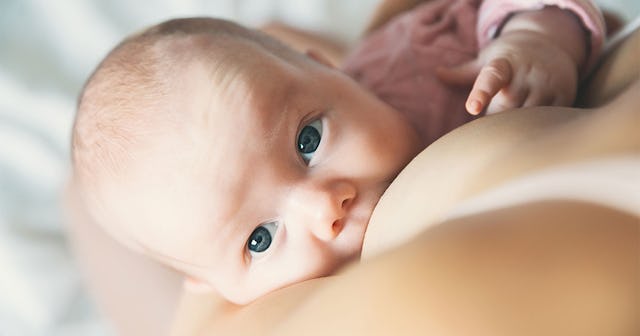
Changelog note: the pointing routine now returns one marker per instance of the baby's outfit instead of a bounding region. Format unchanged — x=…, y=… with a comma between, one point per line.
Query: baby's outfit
x=398, y=62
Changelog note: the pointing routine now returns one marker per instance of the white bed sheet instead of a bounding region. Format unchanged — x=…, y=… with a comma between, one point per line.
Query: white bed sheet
x=47, y=49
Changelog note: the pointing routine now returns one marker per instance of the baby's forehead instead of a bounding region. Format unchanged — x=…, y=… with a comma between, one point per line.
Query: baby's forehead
x=242, y=94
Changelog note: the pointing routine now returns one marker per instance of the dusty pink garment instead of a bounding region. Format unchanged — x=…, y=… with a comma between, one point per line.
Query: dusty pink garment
x=397, y=62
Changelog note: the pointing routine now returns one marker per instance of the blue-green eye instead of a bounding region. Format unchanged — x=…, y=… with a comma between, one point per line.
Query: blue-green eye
x=261, y=238
x=309, y=139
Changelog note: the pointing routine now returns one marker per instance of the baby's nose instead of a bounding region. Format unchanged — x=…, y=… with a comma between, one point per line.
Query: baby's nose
x=323, y=207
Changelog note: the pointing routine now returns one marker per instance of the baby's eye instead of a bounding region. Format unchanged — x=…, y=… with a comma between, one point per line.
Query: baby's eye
x=261, y=238
x=309, y=139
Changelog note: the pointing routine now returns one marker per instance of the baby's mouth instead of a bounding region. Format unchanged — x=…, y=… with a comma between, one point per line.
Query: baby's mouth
x=365, y=215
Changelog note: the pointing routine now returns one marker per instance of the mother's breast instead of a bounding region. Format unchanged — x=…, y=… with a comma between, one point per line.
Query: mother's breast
x=445, y=173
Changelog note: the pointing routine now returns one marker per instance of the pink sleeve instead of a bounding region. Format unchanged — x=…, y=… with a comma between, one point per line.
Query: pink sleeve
x=494, y=13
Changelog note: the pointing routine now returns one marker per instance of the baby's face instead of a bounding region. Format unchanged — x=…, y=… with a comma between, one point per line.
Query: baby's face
x=264, y=183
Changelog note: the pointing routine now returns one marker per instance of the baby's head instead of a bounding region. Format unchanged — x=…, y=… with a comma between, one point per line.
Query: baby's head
x=232, y=158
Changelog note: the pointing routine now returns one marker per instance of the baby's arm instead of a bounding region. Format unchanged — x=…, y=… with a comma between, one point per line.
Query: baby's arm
x=536, y=60
x=306, y=40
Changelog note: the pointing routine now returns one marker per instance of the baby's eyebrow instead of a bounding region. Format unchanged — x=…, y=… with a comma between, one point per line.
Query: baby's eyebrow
x=283, y=106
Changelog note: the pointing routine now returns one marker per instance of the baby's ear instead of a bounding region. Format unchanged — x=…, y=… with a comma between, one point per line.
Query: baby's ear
x=319, y=57
x=196, y=286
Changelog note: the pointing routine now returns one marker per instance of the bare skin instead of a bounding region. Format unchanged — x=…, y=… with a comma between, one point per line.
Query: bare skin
x=303, y=41
x=590, y=228
x=393, y=283
x=262, y=312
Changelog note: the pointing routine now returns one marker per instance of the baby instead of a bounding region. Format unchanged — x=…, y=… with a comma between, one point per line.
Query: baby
x=247, y=166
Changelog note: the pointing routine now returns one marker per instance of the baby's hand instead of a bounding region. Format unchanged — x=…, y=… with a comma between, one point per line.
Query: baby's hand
x=519, y=69
x=534, y=61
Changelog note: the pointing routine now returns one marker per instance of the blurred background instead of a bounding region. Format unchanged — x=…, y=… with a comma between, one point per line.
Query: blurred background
x=47, y=50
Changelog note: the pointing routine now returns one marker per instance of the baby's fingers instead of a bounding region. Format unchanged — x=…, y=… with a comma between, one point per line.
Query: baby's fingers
x=508, y=98
x=462, y=75
x=539, y=98
x=494, y=76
